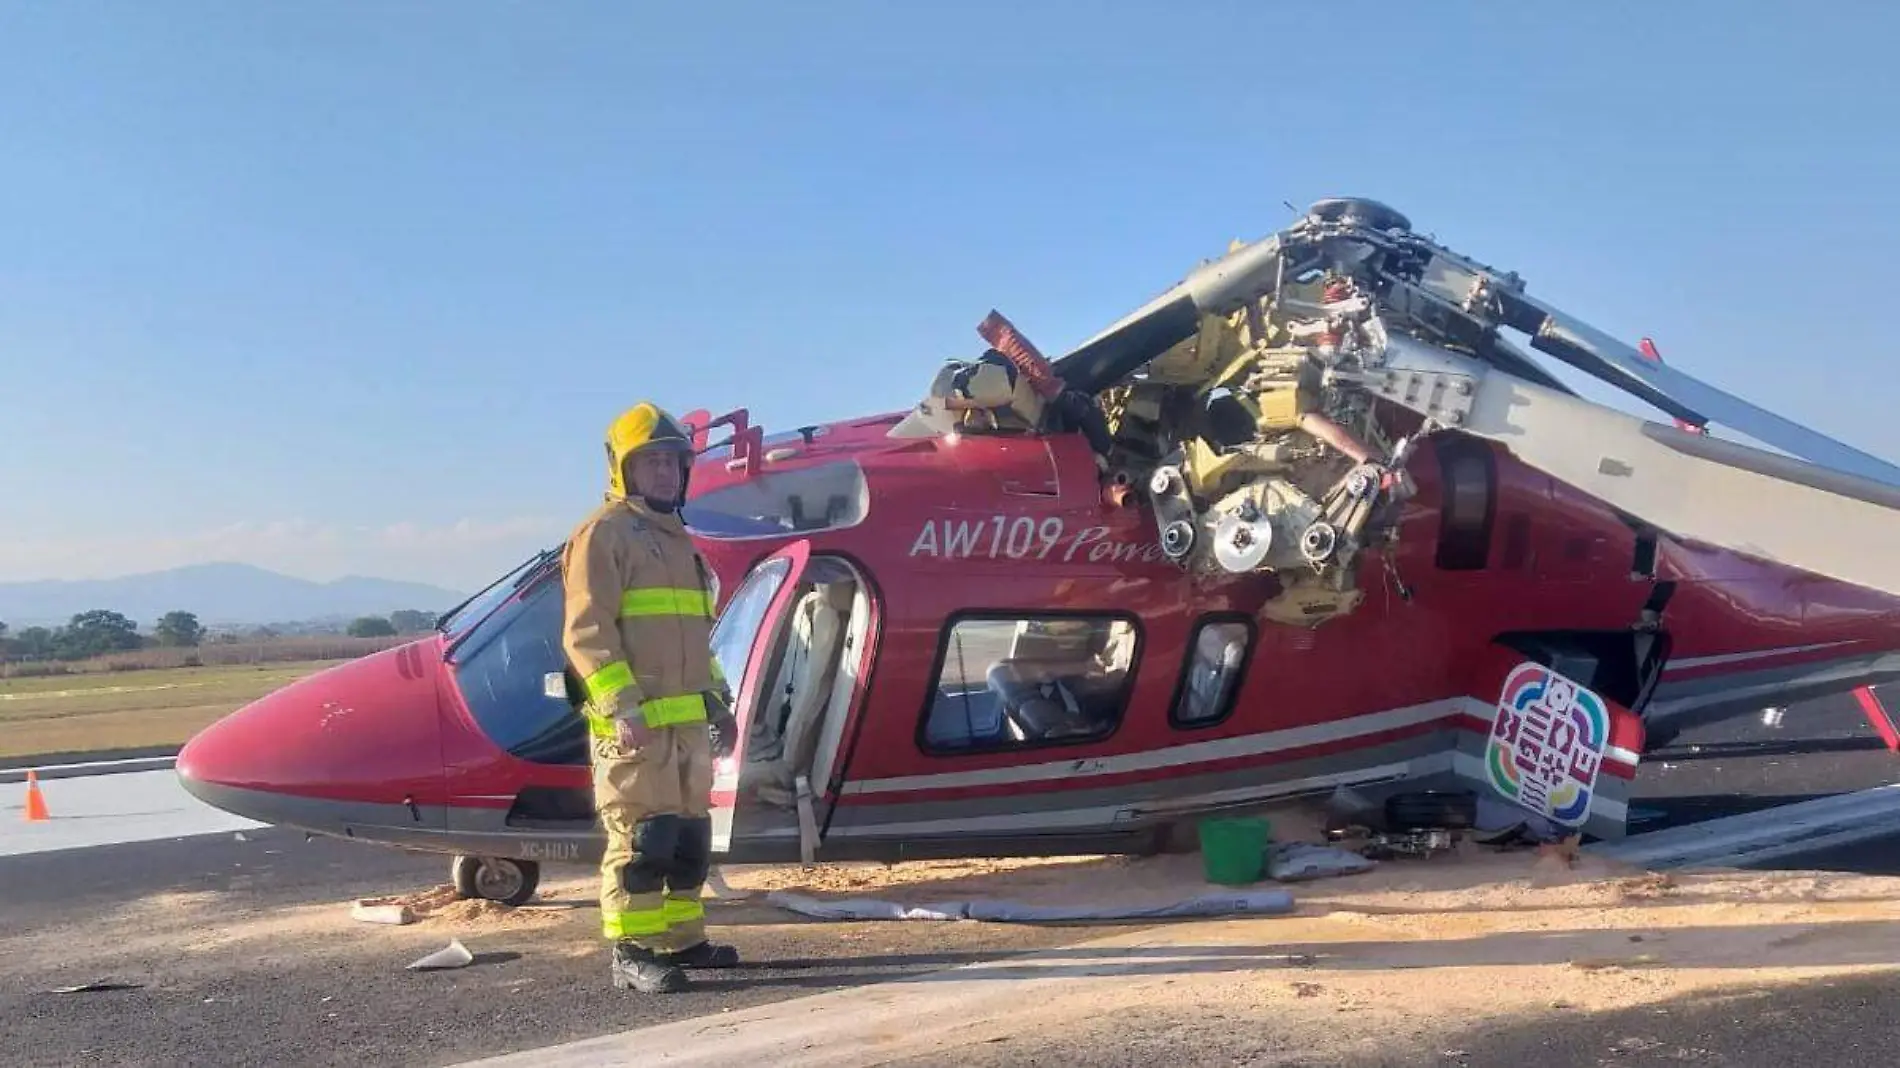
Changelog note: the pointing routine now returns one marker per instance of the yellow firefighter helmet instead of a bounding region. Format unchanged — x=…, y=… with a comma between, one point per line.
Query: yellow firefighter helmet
x=644, y=426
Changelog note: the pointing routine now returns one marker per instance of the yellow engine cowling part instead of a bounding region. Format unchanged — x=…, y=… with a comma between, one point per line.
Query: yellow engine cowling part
x=1307, y=603
x=1278, y=402
x=1199, y=362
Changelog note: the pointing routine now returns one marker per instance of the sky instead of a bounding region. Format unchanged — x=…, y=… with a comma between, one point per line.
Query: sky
x=355, y=288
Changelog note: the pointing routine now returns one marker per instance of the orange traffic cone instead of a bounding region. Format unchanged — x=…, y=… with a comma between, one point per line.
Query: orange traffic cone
x=35, y=801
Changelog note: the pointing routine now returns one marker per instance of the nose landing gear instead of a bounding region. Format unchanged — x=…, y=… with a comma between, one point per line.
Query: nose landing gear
x=502, y=879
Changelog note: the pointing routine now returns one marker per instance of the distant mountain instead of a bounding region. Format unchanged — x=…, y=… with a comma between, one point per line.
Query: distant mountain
x=219, y=594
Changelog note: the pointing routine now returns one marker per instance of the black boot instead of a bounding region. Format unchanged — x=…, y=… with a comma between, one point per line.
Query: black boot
x=643, y=970
x=704, y=955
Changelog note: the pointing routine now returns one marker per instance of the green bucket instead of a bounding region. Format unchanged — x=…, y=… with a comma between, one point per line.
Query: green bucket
x=1234, y=849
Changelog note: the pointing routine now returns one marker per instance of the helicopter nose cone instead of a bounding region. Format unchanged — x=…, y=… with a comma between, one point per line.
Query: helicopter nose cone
x=331, y=747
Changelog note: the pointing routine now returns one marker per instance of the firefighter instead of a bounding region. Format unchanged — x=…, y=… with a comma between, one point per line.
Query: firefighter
x=637, y=625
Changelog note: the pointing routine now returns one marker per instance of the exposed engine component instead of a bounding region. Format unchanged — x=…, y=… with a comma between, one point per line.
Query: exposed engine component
x=1264, y=407
x=1269, y=438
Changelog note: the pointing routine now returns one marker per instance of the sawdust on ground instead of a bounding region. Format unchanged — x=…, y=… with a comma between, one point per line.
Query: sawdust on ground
x=1415, y=952
x=1410, y=954
x=439, y=906
x=1405, y=957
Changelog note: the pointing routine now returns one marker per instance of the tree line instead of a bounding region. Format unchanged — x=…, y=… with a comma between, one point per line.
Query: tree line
x=102, y=631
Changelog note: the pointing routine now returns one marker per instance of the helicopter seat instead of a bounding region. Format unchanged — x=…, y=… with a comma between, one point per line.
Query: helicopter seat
x=1044, y=700
x=786, y=738
x=1053, y=689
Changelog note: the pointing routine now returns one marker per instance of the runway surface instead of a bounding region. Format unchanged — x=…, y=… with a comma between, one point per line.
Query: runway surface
x=1837, y=1022
x=243, y=953
x=223, y=943
x=101, y=810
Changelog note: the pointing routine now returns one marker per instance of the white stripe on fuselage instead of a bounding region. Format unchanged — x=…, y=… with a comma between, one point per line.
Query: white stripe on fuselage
x=1204, y=752
x=1108, y=816
x=1176, y=756
x=1693, y=662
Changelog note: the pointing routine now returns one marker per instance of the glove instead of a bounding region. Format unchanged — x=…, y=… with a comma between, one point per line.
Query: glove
x=721, y=725
x=631, y=730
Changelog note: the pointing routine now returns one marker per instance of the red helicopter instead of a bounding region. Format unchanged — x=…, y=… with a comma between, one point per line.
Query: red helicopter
x=1305, y=520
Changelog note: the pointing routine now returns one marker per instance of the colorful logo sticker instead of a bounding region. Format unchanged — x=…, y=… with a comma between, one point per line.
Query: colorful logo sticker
x=1547, y=744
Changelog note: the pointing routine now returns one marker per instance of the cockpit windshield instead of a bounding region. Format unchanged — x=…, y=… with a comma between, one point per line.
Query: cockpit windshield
x=458, y=620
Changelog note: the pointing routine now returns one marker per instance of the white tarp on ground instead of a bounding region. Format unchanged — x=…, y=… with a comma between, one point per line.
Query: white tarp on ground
x=1243, y=903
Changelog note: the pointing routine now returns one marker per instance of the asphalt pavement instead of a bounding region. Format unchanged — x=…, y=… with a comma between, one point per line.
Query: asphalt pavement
x=216, y=950
x=237, y=948
x=1836, y=1023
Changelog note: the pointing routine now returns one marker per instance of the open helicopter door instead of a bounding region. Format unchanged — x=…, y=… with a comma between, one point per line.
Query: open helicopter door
x=743, y=644
x=1536, y=737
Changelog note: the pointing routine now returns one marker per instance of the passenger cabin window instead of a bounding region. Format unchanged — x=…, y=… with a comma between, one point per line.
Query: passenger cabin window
x=1216, y=662
x=1469, y=472
x=1018, y=682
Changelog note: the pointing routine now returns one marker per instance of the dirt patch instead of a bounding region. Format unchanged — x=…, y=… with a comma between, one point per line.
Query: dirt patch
x=1408, y=955
x=1100, y=879
x=439, y=906
x=1412, y=954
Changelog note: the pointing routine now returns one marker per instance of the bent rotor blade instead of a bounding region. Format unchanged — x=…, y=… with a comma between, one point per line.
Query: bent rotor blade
x=1830, y=522
x=1683, y=395
x=1172, y=317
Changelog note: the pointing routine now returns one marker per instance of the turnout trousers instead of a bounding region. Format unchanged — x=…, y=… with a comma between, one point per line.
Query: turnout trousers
x=653, y=803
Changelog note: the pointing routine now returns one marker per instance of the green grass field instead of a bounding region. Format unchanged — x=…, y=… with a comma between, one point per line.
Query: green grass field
x=102, y=711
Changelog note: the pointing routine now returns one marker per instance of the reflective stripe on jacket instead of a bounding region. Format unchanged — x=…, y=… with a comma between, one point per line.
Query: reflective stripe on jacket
x=638, y=617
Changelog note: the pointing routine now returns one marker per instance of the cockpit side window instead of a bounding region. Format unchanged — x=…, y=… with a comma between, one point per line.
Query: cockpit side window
x=505, y=665
x=832, y=496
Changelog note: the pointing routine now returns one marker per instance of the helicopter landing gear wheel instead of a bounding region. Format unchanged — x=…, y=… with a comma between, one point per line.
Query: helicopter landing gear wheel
x=510, y=882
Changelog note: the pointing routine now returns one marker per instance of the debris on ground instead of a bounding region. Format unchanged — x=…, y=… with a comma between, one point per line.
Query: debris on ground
x=1289, y=862
x=1254, y=903
x=1303, y=843
x=453, y=955
x=1384, y=845
x=395, y=915
x=94, y=987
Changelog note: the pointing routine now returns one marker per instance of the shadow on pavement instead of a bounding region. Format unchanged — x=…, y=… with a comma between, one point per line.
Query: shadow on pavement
x=1842, y=1022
